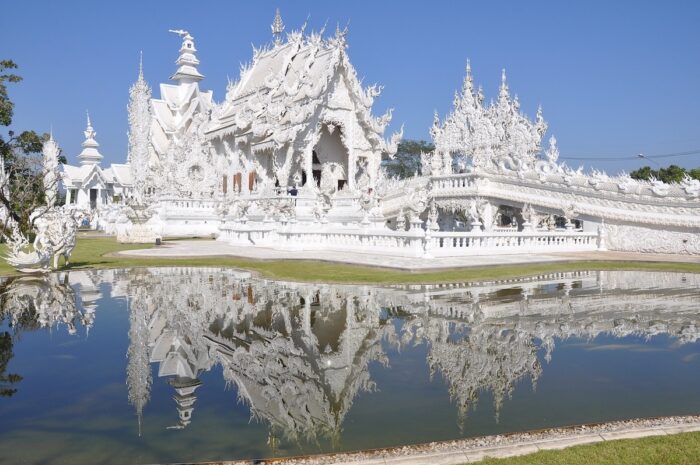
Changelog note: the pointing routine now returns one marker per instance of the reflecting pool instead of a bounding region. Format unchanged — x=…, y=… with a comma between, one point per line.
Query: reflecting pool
x=194, y=364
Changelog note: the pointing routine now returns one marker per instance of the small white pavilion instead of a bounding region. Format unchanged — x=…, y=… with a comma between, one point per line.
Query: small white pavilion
x=88, y=185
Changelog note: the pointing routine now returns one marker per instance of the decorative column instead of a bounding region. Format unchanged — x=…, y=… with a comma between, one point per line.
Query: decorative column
x=602, y=234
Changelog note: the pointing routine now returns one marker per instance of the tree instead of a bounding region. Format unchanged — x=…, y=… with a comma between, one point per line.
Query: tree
x=407, y=162
x=26, y=320
x=669, y=175
x=7, y=380
x=673, y=173
x=21, y=175
x=644, y=173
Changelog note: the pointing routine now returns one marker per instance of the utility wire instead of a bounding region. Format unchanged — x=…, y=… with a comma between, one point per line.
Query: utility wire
x=636, y=157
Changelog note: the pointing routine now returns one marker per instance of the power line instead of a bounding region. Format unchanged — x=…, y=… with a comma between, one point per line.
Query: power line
x=636, y=157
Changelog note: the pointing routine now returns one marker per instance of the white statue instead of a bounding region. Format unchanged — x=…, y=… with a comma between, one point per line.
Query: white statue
x=55, y=227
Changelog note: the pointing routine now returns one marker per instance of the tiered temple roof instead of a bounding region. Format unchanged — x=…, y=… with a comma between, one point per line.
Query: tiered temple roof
x=287, y=84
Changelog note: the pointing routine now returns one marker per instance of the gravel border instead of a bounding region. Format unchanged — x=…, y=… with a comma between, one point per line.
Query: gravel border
x=501, y=445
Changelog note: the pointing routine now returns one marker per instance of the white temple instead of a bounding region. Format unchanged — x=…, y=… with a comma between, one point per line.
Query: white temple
x=89, y=186
x=291, y=159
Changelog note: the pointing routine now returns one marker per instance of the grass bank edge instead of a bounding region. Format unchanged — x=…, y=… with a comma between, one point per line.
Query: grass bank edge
x=99, y=253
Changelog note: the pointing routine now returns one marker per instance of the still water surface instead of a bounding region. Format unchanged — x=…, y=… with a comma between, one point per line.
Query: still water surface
x=166, y=365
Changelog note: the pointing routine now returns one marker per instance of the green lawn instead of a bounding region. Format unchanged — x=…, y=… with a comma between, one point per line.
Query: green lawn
x=676, y=449
x=95, y=253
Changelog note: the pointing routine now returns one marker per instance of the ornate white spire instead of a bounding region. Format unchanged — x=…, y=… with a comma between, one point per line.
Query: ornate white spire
x=90, y=154
x=138, y=368
x=50, y=152
x=187, y=61
x=141, y=66
x=504, y=86
x=277, y=27
x=139, y=110
x=552, y=152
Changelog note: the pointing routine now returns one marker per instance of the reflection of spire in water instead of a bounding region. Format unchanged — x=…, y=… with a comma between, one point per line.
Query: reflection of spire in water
x=184, y=398
x=138, y=369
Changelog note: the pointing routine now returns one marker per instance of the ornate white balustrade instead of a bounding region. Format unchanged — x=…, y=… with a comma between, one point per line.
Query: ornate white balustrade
x=182, y=217
x=468, y=243
x=413, y=243
x=202, y=207
x=452, y=181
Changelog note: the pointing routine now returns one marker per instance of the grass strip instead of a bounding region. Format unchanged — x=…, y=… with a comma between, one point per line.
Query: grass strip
x=97, y=252
x=674, y=449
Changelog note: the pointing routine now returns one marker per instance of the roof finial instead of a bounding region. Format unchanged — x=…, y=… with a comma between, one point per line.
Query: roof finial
x=141, y=65
x=277, y=27
x=187, y=61
x=504, y=94
x=90, y=154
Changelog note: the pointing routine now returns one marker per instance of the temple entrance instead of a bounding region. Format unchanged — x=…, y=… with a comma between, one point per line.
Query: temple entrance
x=316, y=169
x=329, y=164
x=93, y=198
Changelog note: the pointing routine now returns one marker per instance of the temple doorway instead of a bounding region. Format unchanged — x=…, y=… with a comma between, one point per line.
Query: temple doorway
x=329, y=164
x=93, y=198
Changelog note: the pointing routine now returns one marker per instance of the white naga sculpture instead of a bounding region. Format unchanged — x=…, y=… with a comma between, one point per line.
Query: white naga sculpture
x=55, y=226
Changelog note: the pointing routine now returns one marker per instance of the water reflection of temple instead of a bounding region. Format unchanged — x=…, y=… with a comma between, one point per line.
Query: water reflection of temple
x=298, y=354
x=59, y=299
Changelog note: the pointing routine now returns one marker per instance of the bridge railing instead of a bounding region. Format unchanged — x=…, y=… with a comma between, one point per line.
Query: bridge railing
x=452, y=181
x=414, y=243
x=480, y=243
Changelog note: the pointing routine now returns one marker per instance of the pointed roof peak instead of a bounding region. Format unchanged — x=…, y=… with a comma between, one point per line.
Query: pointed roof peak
x=504, y=93
x=90, y=155
x=187, y=61
x=468, y=86
x=141, y=65
x=277, y=27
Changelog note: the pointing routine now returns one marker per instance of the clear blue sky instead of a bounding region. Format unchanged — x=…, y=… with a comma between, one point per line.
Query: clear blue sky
x=614, y=78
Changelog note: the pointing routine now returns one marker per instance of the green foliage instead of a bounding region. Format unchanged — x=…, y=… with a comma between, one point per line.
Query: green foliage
x=644, y=173
x=22, y=155
x=669, y=175
x=406, y=162
x=7, y=380
x=6, y=105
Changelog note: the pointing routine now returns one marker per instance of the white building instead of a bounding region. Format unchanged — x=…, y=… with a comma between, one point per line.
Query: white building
x=89, y=186
x=291, y=159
